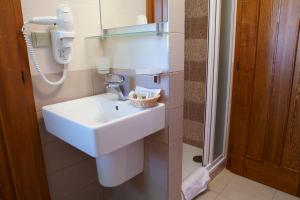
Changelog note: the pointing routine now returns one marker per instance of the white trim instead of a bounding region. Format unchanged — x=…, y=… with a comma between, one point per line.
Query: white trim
x=212, y=167
x=212, y=78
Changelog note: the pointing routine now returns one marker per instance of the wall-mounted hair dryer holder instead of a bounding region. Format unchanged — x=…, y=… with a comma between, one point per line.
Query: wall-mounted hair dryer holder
x=62, y=36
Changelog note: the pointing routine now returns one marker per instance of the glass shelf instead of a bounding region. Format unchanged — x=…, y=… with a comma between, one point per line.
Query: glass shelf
x=158, y=29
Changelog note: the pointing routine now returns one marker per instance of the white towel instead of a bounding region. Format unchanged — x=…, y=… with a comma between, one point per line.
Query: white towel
x=195, y=184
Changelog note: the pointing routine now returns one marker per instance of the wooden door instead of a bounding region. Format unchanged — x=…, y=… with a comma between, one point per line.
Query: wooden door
x=264, y=141
x=155, y=11
x=22, y=170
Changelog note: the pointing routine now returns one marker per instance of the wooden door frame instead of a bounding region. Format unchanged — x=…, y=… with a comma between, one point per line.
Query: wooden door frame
x=153, y=14
x=23, y=174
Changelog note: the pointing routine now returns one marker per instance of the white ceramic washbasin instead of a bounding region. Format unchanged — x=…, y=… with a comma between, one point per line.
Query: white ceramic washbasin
x=107, y=129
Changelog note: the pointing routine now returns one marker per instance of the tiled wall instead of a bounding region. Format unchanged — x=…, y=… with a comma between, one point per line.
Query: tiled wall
x=161, y=179
x=196, y=25
x=71, y=173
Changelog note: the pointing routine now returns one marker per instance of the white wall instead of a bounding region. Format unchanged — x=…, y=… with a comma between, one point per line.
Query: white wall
x=118, y=13
x=86, y=23
x=165, y=52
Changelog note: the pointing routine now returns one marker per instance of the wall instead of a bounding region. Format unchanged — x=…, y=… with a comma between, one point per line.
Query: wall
x=163, y=151
x=71, y=173
x=86, y=23
x=115, y=13
x=196, y=24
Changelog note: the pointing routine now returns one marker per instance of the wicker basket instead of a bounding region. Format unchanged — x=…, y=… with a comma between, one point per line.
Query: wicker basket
x=144, y=103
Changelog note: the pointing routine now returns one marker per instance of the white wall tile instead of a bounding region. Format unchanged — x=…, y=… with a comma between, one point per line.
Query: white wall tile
x=176, y=52
x=138, y=52
x=176, y=16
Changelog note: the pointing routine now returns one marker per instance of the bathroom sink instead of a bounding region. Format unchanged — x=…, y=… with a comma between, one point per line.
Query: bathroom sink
x=101, y=124
x=106, y=129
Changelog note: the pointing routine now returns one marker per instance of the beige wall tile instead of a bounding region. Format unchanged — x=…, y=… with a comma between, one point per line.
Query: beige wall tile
x=176, y=89
x=175, y=157
x=175, y=169
x=193, y=133
x=98, y=81
x=72, y=179
x=194, y=91
x=176, y=124
x=199, y=27
x=196, y=111
x=161, y=136
x=175, y=181
x=196, y=49
x=78, y=84
x=59, y=155
x=196, y=8
x=156, y=154
x=197, y=71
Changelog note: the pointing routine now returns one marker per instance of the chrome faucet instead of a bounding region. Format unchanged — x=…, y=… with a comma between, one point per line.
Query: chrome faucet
x=114, y=83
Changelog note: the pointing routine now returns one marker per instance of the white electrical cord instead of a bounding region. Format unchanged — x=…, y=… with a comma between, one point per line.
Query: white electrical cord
x=32, y=55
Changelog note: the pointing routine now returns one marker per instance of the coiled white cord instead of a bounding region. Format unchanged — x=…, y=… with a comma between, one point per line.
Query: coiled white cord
x=32, y=55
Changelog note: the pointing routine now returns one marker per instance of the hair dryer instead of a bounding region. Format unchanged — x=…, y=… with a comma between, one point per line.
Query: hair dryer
x=62, y=36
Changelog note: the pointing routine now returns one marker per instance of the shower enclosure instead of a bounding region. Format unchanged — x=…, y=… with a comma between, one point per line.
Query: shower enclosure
x=209, y=28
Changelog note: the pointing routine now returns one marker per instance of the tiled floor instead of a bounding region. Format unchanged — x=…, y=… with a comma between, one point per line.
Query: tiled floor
x=228, y=186
x=188, y=165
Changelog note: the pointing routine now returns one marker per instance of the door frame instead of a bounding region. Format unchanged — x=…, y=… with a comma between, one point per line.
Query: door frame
x=212, y=83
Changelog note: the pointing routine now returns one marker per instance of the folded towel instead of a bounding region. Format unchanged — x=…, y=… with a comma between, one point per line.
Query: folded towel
x=195, y=184
x=148, y=93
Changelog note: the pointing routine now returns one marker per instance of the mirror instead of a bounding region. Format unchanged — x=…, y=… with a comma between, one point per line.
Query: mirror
x=121, y=13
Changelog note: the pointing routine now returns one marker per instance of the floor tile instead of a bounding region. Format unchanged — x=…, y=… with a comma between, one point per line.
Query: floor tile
x=284, y=196
x=221, y=181
x=209, y=195
x=241, y=188
x=221, y=198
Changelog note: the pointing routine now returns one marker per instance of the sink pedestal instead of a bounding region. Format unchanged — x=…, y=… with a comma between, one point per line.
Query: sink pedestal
x=121, y=165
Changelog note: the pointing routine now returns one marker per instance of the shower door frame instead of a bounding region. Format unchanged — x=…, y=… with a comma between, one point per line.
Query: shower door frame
x=212, y=84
